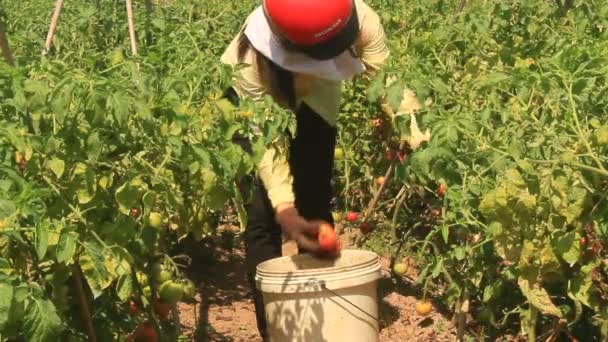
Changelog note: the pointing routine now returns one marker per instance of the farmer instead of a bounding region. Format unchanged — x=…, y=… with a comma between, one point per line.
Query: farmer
x=298, y=52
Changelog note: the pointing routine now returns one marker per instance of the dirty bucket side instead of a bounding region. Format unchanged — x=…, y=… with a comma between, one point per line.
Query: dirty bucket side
x=324, y=316
x=327, y=301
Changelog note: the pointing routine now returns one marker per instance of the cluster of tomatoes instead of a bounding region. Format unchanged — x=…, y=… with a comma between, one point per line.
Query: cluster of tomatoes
x=423, y=307
x=171, y=290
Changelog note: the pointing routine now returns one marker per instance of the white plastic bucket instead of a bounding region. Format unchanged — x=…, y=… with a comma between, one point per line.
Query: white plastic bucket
x=308, y=299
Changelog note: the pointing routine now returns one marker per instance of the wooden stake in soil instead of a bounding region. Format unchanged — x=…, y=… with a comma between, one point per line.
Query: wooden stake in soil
x=6, y=50
x=131, y=27
x=53, y=27
x=82, y=302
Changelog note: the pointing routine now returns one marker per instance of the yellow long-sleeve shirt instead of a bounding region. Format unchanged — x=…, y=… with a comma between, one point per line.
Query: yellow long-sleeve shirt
x=323, y=96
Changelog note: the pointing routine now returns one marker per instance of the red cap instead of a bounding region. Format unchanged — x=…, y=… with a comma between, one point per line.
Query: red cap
x=308, y=22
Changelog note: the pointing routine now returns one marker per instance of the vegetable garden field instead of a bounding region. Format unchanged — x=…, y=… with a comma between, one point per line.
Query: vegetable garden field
x=476, y=160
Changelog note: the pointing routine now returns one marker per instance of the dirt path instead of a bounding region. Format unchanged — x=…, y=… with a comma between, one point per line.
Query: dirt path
x=225, y=312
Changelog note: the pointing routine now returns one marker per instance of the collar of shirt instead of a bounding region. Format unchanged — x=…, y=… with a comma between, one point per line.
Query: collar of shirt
x=343, y=67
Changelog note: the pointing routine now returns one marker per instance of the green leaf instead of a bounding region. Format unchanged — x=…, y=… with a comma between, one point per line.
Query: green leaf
x=537, y=296
x=128, y=196
x=6, y=300
x=422, y=276
x=149, y=200
x=445, y=232
x=209, y=179
x=120, y=107
x=525, y=204
x=42, y=239
x=229, y=132
x=94, y=146
x=394, y=95
x=459, y=253
x=582, y=288
x=488, y=293
x=57, y=166
x=93, y=265
x=513, y=177
x=66, y=247
x=376, y=88
x=578, y=199
x=437, y=269
x=492, y=291
x=7, y=208
x=41, y=323
x=124, y=287
x=83, y=182
x=225, y=106
x=21, y=293
x=217, y=197
x=493, y=79
x=568, y=248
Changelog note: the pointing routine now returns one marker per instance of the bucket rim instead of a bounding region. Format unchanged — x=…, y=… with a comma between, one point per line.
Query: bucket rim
x=262, y=269
x=312, y=280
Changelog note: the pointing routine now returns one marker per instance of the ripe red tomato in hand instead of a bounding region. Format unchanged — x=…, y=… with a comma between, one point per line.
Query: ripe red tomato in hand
x=328, y=239
x=352, y=216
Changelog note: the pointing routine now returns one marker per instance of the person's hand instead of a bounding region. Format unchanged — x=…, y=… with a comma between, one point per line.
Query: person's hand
x=297, y=228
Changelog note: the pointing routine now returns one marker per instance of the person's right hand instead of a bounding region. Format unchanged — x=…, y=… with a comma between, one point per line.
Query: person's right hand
x=302, y=231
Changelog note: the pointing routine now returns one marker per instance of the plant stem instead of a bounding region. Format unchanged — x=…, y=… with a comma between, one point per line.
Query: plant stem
x=176, y=323
x=461, y=315
x=82, y=301
x=579, y=129
x=372, y=204
x=395, y=214
x=532, y=327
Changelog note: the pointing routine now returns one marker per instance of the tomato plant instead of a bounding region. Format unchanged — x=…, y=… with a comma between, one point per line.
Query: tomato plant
x=511, y=95
x=107, y=159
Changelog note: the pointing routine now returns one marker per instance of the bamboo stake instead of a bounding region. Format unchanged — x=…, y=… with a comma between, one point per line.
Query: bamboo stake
x=6, y=50
x=131, y=27
x=53, y=27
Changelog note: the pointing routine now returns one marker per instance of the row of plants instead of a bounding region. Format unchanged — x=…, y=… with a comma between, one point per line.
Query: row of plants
x=504, y=210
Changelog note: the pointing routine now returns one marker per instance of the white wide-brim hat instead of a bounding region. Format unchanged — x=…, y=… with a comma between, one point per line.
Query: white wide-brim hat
x=343, y=67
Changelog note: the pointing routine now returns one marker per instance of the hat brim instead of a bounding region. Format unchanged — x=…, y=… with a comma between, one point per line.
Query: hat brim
x=331, y=48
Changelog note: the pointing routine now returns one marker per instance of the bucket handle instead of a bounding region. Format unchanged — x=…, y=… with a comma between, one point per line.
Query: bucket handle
x=324, y=287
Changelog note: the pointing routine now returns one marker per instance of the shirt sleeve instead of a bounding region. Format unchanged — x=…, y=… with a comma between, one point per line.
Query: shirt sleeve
x=372, y=42
x=275, y=173
x=273, y=167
